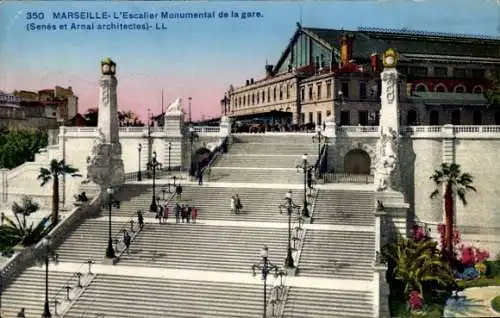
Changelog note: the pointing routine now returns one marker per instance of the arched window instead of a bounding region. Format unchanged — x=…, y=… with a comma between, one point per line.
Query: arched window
x=263, y=96
x=497, y=118
x=433, y=118
x=274, y=93
x=477, y=118
x=420, y=87
x=411, y=117
x=440, y=88
x=455, y=117
x=478, y=89
x=459, y=89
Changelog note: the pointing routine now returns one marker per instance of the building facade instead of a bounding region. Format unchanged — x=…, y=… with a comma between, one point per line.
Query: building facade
x=325, y=73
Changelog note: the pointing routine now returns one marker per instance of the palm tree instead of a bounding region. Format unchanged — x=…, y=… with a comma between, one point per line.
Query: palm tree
x=56, y=169
x=455, y=183
x=27, y=207
x=415, y=263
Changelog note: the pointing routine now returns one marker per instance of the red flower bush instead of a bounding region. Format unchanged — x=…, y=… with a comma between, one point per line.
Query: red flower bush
x=456, y=236
x=470, y=255
x=415, y=301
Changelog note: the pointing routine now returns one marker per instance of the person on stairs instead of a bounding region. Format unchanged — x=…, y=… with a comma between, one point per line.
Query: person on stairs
x=200, y=176
x=178, y=191
x=309, y=178
x=165, y=213
x=127, y=240
x=140, y=219
x=183, y=213
x=238, y=204
x=159, y=213
x=188, y=213
x=233, y=205
x=21, y=313
x=177, y=212
x=194, y=214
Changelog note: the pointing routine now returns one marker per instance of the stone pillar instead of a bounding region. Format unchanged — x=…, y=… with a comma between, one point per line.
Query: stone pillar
x=4, y=184
x=448, y=144
x=225, y=126
x=105, y=165
x=381, y=292
x=173, y=127
x=330, y=128
x=62, y=154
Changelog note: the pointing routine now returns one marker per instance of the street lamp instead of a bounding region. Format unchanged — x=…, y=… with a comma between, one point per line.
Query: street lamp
x=265, y=266
x=47, y=256
x=304, y=166
x=153, y=164
x=192, y=136
x=110, y=251
x=139, y=176
x=289, y=205
x=189, y=99
x=169, y=151
x=319, y=138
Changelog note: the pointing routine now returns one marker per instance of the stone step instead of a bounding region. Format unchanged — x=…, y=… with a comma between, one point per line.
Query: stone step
x=255, y=176
x=261, y=161
x=214, y=203
x=204, y=247
x=274, y=149
x=338, y=254
x=345, y=207
x=28, y=292
x=311, y=303
x=112, y=296
x=277, y=138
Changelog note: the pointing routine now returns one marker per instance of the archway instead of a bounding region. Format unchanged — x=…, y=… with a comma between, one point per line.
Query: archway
x=411, y=117
x=455, y=117
x=434, y=117
x=357, y=161
x=477, y=117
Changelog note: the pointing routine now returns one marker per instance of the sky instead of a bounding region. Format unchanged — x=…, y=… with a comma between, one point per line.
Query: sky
x=198, y=58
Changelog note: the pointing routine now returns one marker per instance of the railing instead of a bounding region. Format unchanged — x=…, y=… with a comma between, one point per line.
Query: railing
x=148, y=174
x=25, y=258
x=216, y=155
x=322, y=162
x=206, y=129
x=347, y=178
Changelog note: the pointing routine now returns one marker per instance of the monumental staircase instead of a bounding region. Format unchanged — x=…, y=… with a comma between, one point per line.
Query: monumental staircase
x=203, y=268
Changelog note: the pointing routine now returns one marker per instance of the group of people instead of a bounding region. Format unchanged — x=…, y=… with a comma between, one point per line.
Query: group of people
x=236, y=205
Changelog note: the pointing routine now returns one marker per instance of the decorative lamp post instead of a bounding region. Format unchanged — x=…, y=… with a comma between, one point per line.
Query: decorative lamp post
x=153, y=165
x=319, y=138
x=289, y=206
x=192, y=136
x=169, y=152
x=304, y=166
x=265, y=266
x=47, y=256
x=139, y=176
x=110, y=251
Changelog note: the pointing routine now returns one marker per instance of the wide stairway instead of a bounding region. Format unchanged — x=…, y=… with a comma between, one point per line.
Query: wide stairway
x=203, y=268
x=265, y=159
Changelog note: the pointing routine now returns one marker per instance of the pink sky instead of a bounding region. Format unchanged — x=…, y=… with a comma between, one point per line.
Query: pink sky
x=136, y=92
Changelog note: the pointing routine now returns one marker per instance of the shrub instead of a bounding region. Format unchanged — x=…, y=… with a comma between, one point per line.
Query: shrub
x=492, y=269
x=470, y=255
x=481, y=268
x=495, y=303
x=468, y=274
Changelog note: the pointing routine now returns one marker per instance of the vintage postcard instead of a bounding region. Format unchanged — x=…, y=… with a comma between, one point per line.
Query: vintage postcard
x=296, y=159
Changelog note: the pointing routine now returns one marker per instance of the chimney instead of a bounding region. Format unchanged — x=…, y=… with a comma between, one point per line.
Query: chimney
x=408, y=89
x=269, y=70
x=248, y=82
x=346, y=49
x=375, y=63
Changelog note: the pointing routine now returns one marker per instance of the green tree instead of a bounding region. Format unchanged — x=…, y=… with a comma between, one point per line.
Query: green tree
x=17, y=147
x=416, y=263
x=456, y=184
x=19, y=232
x=55, y=170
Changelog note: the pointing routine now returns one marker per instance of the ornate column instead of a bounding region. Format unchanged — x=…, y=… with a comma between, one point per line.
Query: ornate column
x=105, y=165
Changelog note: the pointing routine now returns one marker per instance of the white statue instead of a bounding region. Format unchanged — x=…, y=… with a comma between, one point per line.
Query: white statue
x=175, y=106
x=386, y=158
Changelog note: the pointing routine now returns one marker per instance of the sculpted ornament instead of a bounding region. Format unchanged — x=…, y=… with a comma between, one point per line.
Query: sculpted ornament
x=390, y=79
x=175, y=106
x=387, y=159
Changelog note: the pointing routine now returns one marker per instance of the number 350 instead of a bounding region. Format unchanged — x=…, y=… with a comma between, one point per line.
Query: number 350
x=35, y=16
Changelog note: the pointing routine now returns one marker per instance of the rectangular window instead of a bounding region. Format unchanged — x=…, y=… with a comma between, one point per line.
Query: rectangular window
x=363, y=117
x=440, y=71
x=362, y=90
x=287, y=91
x=345, y=89
x=319, y=90
x=302, y=93
x=329, y=89
x=459, y=72
x=345, y=118
x=479, y=74
x=302, y=118
x=310, y=117
x=310, y=95
x=319, y=120
x=418, y=71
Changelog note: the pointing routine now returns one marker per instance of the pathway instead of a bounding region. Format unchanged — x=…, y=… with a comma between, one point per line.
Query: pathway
x=477, y=303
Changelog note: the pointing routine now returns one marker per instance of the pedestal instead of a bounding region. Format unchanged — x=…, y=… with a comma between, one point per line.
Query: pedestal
x=381, y=292
x=395, y=209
